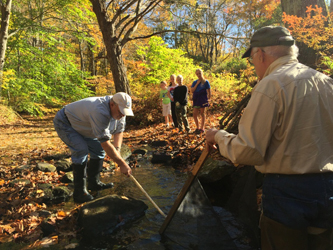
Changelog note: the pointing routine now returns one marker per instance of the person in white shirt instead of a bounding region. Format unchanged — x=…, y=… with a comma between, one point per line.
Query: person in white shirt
x=86, y=127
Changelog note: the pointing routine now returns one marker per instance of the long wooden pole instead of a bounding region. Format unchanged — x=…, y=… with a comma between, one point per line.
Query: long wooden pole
x=147, y=195
x=185, y=188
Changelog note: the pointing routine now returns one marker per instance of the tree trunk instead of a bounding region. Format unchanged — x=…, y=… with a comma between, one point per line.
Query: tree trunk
x=91, y=60
x=113, y=47
x=307, y=56
x=5, y=15
x=81, y=56
x=118, y=68
x=298, y=7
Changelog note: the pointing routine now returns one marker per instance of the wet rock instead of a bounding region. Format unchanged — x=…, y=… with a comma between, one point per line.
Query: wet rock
x=63, y=165
x=53, y=195
x=47, y=189
x=214, y=170
x=44, y=213
x=105, y=215
x=61, y=194
x=46, y=167
x=23, y=168
x=140, y=152
x=67, y=178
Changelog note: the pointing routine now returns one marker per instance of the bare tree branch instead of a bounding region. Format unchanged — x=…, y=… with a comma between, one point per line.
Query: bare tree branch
x=185, y=31
x=138, y=17
x=122, y=10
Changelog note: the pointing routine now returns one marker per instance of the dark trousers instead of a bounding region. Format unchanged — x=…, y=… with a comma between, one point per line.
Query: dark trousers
x=173, y=113
x=182, y=117
x=276, y=236
x=297, y=212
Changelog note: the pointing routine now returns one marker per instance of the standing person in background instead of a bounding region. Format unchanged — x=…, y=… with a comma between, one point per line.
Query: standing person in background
x=286, y=131
x=165, y=103
x=86, y=127
x=201, y=95
x=171, y=88
x=180, y=95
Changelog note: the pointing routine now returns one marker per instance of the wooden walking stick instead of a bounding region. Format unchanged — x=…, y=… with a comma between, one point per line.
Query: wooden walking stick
x=147, y=195
x=185, y=188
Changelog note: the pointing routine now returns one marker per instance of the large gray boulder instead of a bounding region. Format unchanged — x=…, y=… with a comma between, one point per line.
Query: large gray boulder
x=103, y=216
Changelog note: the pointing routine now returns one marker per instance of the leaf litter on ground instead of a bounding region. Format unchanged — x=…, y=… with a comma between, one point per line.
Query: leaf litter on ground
x=31, y=140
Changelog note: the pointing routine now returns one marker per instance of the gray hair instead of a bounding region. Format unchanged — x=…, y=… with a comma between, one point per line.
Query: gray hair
x=281, y=50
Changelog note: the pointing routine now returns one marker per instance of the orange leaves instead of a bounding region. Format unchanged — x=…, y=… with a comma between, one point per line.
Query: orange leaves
x=312, y=29
x=61, y=214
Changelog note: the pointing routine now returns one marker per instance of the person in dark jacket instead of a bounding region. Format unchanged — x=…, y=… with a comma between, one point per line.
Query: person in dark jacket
x=180, y=95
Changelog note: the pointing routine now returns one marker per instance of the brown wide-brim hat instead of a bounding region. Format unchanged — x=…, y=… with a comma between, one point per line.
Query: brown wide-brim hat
x=270, y=36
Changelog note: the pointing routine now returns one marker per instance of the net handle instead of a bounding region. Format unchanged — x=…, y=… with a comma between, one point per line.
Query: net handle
x=147, y=195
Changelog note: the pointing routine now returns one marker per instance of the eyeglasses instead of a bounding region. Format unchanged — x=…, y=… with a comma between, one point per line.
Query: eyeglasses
x=250, y=58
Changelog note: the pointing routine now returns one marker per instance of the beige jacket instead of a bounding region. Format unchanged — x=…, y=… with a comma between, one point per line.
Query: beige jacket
x=287, y=126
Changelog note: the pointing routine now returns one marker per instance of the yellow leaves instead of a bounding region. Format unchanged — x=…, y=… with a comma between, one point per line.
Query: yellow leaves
x=8, y=76
x=270, y=8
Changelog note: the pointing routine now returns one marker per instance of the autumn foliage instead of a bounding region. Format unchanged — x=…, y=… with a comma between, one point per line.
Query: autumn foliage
x=316, y=31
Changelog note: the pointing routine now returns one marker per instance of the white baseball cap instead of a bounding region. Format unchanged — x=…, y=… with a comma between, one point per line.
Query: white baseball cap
x=124, y=102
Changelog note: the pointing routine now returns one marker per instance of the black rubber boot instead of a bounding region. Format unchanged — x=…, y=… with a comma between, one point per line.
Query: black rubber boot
x=95, y=166
x=80, y=194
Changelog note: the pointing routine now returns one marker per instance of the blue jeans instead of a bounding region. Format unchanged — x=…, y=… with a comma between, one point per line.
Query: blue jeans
x=299, y=201
x=79, y=145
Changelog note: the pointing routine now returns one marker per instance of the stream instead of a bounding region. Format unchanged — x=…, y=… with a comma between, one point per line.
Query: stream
x=163, y=184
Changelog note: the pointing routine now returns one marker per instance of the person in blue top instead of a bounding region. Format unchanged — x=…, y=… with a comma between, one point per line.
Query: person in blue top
x=86, y=127
x=201, y=95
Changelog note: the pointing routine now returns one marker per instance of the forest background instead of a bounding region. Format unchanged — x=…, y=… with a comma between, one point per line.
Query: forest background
x=59, y=51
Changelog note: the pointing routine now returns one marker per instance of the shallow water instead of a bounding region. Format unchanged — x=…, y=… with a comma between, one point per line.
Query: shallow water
x=163, y=184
